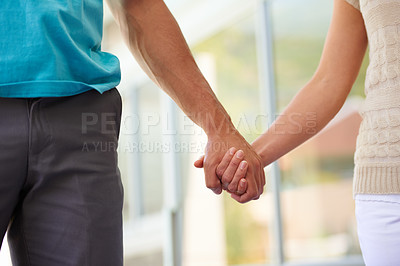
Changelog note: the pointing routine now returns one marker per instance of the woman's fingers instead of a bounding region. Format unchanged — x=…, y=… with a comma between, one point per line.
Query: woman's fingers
x=241, y=172
x=223, y=165
x=232, y=168
x=241, y=187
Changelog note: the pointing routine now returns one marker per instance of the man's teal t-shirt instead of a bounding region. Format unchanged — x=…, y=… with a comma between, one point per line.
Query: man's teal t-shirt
x=52, y=48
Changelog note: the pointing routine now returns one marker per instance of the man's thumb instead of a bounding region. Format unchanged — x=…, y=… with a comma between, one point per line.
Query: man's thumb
x=199, y=162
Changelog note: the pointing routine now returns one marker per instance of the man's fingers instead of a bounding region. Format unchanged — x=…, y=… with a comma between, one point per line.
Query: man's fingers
x=246, y=197
x=217, y=190
x=232, y=168
x=214, y=185
x=212, y=181
x=199, y=163
x=241, y=199
x=225, y=162
x=235, y=197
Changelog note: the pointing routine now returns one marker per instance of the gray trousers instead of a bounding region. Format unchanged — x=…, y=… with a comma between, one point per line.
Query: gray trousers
x=60, y=188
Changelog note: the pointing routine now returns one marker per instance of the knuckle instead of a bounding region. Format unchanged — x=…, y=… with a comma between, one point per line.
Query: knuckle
x=235, y=162
x=233, y=165
x=241, y=193
x=220, y=171
x=253, y=194
x=243, y=200
x=217, y=191
x=211, y=185
x=225, y=179
x=233, y=187
x=231, y=151
x=242, y=172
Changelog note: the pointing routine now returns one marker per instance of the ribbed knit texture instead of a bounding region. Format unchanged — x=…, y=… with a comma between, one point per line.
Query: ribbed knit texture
x=377, y=157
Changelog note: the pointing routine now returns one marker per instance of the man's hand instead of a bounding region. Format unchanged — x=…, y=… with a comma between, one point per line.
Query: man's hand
x=219, y=176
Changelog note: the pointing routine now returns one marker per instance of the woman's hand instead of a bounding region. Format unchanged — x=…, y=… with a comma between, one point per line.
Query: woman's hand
x=231, y=171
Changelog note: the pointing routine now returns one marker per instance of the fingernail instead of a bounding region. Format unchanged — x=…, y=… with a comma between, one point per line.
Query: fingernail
x=243, y=165
x=225, y=186
x=242, y=182
x=239, y=154
x=232, y=151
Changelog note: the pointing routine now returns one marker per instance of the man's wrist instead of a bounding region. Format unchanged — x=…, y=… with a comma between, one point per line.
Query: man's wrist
x=217, y=123
x=220, y=128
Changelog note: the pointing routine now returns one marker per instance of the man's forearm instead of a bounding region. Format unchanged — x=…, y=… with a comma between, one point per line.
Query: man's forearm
x=157, y=43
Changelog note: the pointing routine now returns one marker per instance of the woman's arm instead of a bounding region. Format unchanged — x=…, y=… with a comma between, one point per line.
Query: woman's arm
x=324, y=95
x=326, y=92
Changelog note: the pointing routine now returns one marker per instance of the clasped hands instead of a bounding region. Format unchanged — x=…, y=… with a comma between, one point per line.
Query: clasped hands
x=231, y=164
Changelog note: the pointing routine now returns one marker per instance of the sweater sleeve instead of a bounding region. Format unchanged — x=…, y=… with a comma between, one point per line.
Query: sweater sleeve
x=354, y=3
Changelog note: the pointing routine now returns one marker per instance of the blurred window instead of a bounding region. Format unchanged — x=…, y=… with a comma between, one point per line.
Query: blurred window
x=316, y=202
x=316, y=196
x=234, y=52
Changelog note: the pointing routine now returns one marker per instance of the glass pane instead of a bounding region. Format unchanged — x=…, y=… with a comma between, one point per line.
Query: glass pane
x=317, y=205
x=150, y=145
x=234, y=53
x=125, y=154
x=140, y=153
x=150, y=259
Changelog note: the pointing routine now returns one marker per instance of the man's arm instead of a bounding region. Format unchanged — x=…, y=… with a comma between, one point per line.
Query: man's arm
x=154, y=38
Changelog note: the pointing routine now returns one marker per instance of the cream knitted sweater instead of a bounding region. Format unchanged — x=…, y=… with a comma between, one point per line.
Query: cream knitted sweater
x=377, y=157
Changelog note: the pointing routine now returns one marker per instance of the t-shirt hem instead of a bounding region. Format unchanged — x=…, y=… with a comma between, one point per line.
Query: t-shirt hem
x=50, y=88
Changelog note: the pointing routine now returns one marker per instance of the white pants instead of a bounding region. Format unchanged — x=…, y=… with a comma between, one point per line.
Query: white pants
x=378, y=226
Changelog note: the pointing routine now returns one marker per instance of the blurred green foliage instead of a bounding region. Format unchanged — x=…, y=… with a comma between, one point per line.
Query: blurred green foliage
x=296, y=60
x=237, y=87
x=234, y=51
x=247, y=240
